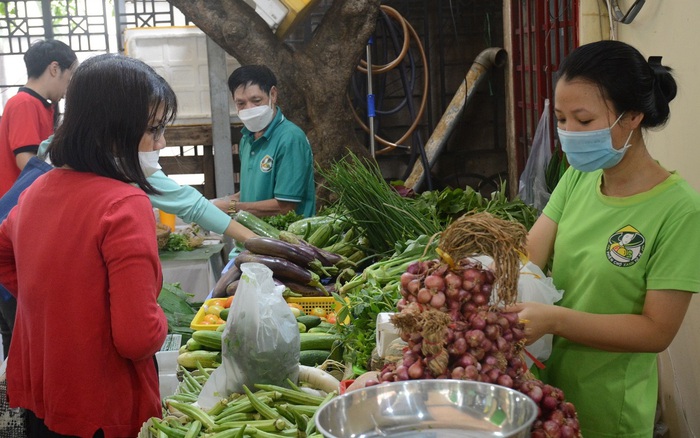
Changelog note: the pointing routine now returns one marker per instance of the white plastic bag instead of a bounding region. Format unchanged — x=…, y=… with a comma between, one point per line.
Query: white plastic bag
x=534, y=285
x=533, y=182
x=260, y=343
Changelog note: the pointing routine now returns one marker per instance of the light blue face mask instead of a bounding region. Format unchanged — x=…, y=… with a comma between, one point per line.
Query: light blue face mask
x=592, y=150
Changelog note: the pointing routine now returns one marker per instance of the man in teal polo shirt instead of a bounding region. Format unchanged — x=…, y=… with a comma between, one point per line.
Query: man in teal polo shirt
x=277, y=170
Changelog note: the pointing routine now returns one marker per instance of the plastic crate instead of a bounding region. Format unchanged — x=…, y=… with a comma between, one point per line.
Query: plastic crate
x=309, y=303
x=198, y=320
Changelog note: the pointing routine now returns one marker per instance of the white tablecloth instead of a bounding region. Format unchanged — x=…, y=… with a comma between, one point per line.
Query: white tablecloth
x=197, y=271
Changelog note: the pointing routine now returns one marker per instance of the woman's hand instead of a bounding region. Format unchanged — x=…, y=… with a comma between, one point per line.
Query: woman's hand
x=538, y=319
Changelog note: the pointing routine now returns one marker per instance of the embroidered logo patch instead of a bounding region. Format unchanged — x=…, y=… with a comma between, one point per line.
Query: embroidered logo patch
x=625, y=246
x=266, y=164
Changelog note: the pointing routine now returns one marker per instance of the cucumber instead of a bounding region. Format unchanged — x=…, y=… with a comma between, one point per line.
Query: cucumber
x=312, y=358
x=256, y=225
x=208, y=359
x=309, y=321
x=317, y=341
x=208, y=338
x=302, y=327
x=224, y=314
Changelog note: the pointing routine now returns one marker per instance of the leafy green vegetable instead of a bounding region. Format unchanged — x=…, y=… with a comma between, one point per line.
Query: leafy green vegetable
x=449, y=204
x=282, y=221
x=178, y=242
x=377, y=289
x=369, y=202
x=178, y=310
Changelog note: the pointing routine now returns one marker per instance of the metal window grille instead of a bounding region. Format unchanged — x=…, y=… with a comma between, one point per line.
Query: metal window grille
x=543, y=33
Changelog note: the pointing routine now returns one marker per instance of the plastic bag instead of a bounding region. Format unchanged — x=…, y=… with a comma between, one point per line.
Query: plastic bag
x=533, y=189
x=260, y=342
x=534, y=285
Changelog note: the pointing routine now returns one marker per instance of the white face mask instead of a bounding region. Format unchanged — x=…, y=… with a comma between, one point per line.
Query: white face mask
x=149, y=162
x=257, y=118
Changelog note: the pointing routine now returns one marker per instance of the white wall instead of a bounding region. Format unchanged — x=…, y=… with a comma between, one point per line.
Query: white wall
x=670, y=29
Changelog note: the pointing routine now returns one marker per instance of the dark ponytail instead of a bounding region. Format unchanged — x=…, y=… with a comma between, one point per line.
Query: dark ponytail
x=628, y=80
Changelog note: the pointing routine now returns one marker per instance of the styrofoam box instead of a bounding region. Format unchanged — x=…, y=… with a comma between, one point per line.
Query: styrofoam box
x=386, y=332
x=179, y=54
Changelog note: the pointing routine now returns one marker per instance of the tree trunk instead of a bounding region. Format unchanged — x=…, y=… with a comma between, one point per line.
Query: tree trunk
x=313, y=80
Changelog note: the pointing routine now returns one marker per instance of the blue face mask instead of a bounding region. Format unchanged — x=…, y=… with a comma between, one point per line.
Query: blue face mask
x=591, y=150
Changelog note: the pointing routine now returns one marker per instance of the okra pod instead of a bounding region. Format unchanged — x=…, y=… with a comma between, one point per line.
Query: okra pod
x=230, y=433
x=169, y=431
x=189, y=379
x=194, y=429
x=194, y=413
x=266, y=425
x=311, y=425
x=262, y=408
x=241, y=416
x=241, y=406
x=292, y=396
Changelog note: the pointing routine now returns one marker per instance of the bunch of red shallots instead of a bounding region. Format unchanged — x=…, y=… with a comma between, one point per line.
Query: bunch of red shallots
x=453, y=332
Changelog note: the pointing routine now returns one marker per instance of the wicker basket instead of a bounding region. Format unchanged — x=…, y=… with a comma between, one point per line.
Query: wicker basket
x=162, y=234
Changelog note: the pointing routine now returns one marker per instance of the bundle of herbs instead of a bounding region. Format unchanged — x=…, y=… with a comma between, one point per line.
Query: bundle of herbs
x=450, y=203
x=385, y=216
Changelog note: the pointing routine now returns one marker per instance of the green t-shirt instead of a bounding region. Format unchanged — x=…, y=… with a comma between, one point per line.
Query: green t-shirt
x=608, y=252
x=278, y=165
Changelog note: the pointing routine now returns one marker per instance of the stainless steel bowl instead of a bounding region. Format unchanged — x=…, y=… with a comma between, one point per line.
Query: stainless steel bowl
x=428, y=409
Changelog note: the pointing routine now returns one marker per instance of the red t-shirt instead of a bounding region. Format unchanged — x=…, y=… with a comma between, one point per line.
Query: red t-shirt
x=79, y=252
x=28, y=119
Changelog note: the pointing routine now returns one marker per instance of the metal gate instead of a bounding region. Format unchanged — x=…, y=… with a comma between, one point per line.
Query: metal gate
x=92, y=26
x=543, y=33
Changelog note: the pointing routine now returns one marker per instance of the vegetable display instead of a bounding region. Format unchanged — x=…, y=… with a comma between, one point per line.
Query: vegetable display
x=453, y=330
x=295, y=263
x=261, y=410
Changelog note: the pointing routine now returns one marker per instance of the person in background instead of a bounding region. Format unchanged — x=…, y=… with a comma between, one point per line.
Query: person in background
x=85, y=270
x=29, y=116
x=277, y=173
x=624, y=234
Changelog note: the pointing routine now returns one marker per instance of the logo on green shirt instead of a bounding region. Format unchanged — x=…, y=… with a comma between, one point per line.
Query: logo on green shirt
x=625, y=246
x=266, y=164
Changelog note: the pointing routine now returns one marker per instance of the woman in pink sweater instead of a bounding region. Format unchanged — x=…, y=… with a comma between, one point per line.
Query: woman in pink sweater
x=79, y=253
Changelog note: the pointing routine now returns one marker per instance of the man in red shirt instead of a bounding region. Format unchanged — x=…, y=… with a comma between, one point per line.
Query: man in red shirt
x=29, y=117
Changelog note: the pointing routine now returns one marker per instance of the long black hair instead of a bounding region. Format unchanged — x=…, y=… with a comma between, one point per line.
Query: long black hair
x=110, y=103
x=628, y=80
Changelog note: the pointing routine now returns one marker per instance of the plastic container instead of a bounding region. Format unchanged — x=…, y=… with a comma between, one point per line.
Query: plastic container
x=198, y=320
x=309, y=303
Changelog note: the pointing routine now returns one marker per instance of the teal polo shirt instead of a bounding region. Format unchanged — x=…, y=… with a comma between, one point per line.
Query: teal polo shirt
x=278, y=165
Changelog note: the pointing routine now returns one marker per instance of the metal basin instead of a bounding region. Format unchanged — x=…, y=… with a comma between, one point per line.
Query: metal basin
x=428, y=409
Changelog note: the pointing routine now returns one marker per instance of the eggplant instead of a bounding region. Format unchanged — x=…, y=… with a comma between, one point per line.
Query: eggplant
x=281, y=268
x=233, y=274
x=231, y=288
x=305, y=290
x=278, y=248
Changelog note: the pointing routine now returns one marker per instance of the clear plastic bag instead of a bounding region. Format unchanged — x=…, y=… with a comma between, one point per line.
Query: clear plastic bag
x=260, y=343
x=534, y=285
x=533, y=189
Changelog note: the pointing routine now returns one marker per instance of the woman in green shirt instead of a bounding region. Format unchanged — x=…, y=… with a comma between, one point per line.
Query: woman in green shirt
x=623, y=237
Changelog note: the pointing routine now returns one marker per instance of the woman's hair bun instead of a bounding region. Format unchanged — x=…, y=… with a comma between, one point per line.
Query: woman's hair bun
x=665, y=85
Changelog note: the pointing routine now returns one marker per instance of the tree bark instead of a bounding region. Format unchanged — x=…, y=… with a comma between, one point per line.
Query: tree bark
x=312, y=80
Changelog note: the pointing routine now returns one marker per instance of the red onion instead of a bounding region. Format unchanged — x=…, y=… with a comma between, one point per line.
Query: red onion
x=424, y=296
x=434, y=282
x=438, y=300
x=453, y=281
x=415, y=371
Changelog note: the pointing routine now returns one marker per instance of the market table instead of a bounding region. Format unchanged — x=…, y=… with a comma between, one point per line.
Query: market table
x=197, y=271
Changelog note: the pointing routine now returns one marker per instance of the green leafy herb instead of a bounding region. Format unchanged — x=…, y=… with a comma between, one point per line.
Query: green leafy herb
x=282, y=221
x=178, y=242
